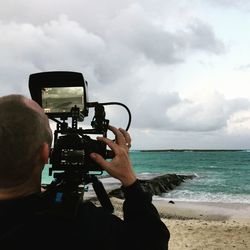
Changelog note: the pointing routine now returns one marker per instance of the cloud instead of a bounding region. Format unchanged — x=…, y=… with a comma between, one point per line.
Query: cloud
x=158, y=44
x=122, y=38
x=243, y=4
x=170, y=112
x=244, y=67
x=150, y=111
x=58, y=44
x=200, y=36
x=210, y=114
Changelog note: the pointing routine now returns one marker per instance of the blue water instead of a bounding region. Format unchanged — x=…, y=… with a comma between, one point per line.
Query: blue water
x=221, y=176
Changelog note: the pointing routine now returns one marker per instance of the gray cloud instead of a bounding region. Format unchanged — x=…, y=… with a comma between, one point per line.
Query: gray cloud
x=201, y=37
x=57, y=45
x=170, y=112
x=143, y=36
x=124, y=42
x=244, y=67
x=243, y=4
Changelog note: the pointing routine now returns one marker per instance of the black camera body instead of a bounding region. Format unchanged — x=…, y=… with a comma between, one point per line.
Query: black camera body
x=71, y=153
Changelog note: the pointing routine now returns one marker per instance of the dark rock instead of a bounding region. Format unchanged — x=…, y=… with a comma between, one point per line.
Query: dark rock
x=172, y=202
x=157, y=185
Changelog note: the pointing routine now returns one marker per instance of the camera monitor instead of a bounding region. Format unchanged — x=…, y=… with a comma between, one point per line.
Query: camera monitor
x=59, y=91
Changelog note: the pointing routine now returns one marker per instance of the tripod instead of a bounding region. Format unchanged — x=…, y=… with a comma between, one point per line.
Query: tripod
x=66, y=192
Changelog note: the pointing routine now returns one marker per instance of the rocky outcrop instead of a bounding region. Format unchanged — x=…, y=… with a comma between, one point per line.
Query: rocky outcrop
x=157, y=185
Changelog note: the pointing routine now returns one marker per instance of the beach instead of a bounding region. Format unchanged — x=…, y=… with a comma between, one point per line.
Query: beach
x=197, y=225
x=203, y=234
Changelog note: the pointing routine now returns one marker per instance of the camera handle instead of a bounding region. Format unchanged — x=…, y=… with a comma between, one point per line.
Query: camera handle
x=102, y=194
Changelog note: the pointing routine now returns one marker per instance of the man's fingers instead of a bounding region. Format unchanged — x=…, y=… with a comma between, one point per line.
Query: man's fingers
x=110, y=143
x=120, y=139
x=126, y=136
x=100, y=160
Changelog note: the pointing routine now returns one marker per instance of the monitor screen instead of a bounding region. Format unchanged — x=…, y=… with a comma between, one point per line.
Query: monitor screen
x=62, y=99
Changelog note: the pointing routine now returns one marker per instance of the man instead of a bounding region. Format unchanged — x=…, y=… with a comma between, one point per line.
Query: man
x=25, y=140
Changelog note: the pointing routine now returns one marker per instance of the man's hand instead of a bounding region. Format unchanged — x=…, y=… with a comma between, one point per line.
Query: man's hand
x=120, y=167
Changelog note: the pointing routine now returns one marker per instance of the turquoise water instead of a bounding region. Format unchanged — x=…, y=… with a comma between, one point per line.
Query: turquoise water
x=221, y=176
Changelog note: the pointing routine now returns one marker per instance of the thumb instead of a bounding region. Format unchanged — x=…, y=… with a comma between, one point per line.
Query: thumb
x=99, y=160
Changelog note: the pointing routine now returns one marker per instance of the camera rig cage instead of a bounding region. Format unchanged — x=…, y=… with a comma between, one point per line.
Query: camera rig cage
x=64, y=95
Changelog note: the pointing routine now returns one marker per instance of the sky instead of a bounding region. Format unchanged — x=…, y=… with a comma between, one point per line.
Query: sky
x=182, y=67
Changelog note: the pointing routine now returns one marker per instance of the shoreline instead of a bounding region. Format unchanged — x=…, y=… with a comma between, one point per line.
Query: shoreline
x=216, y=211
x=207, y=211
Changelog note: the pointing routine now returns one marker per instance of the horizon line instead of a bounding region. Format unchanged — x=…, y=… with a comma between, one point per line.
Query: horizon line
x=189, y=149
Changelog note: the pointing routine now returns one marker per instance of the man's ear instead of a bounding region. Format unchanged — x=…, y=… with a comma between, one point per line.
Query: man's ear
x=44, y=153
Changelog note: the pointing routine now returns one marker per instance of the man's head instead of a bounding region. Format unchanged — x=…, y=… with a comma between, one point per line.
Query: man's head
x=25, y=138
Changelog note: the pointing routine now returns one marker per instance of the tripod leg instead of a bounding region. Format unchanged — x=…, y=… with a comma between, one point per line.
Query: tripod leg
x=102, y=195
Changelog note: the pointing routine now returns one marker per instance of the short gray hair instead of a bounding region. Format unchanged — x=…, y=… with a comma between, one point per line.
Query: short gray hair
x=23, y=130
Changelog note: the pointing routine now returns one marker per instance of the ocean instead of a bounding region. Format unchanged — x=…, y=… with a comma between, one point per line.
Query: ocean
x=221, y=176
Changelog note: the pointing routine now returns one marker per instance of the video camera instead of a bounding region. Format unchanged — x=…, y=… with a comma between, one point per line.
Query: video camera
x=64, y=95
